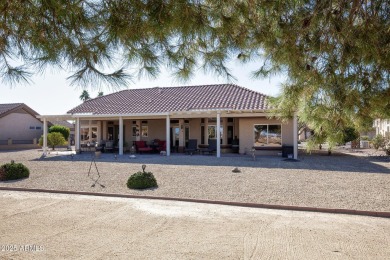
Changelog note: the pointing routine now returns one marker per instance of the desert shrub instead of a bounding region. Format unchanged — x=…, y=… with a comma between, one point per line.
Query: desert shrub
x=53, y=139
x=13, y=171
x=386, y=148
x=378, y=142
x=65, y=131
x=141, y=180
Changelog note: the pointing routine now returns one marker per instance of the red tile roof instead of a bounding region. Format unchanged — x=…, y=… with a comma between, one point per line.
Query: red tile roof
x=175, y=99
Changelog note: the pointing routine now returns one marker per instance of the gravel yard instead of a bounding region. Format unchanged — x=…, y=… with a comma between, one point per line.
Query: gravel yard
x=338, y=181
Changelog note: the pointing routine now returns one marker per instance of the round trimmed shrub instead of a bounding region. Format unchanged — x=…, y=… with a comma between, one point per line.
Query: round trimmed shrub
x=13, y=171
x=141, y=180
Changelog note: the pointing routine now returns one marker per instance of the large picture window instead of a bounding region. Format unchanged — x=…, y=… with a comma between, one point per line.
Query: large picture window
x=212, y=129
x=270, y=135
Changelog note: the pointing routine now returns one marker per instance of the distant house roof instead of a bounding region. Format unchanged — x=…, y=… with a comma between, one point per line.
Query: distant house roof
x=62, y=123
x=6, y=109
x=174, y=99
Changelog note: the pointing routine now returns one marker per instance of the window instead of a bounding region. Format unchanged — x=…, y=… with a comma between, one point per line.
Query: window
x=202, y=134
x=135, y=131
x=38, y=128
x=110, y=134
x=270, y=135
x=32, y=127
x=84, y=133
x=144, y=131
x=94, y=134
x=213, y=133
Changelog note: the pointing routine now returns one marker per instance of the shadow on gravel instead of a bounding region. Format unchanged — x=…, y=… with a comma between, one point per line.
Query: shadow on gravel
x=314, y=161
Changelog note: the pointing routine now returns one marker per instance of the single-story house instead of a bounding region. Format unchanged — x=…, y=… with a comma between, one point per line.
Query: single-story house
x=178, y=114
x=21, y=129
x=19, y=125
x=382, y=127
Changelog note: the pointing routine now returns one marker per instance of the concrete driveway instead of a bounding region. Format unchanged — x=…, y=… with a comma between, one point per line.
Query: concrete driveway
x=56, y=226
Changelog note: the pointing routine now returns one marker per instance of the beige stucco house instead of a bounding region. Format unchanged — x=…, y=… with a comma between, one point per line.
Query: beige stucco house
x=19, y=125
x=382, y=127
x=178, y=114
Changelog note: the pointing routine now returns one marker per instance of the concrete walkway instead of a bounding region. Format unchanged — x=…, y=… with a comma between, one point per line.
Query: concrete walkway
x=55, y=226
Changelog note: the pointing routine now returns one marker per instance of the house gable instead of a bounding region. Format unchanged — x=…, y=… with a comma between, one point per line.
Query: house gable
x=19, y=122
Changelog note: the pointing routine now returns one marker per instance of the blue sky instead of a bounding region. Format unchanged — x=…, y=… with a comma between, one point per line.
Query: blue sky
x=51, y=93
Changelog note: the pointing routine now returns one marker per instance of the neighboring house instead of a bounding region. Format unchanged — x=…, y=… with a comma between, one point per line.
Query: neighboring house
x=19, y=125
x=177, y=114
x=382, y=127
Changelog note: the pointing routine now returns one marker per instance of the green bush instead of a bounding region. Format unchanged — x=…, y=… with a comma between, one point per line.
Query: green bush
x=65, y=131
x=350, y=134
x=142, y=180
x=53, y=139
x=13, y=171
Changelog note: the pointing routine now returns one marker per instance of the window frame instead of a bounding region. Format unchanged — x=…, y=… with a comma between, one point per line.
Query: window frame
x=267, y=135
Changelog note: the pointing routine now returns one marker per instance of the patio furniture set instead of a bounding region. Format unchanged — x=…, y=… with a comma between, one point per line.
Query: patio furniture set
x=155, y=146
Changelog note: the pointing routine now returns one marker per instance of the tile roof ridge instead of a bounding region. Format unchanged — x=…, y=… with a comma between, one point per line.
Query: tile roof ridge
x=18, y=104
x=251, y=90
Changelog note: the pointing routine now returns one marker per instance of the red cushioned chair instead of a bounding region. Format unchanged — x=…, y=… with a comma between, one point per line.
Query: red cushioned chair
x=142, y=147
x=162, y=146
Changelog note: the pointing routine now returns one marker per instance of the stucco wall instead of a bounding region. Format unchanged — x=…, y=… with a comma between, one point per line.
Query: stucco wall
x=195, y=129
x=246, y=133
x=17, y=126
x=156, y=129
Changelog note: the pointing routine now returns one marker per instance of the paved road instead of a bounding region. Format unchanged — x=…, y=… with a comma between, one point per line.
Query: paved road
x=55, y=226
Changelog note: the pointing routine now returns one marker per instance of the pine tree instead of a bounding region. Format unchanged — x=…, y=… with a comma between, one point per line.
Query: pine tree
x=336, y=54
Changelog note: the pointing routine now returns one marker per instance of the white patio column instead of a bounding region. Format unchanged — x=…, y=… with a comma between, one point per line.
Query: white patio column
x=44, y=136
x=120, y=135
x=168, y=137
x=218, y=135
x=77, y=134
x=295, y=133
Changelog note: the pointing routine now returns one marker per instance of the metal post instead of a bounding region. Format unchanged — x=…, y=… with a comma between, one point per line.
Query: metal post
x=218, y=135
x=120, y=135
x=44, y=136
x=295, y=132
x=77, y=134
x=168, y=141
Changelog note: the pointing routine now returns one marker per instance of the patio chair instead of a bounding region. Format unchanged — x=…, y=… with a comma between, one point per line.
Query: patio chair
x=142, y=147
x=162, y=146
x=192, y=146
x=212, y=146
x=109, y=146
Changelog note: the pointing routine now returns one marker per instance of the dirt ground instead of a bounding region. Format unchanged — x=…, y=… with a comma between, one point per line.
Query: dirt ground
x=55, y=226
x=339, y=181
